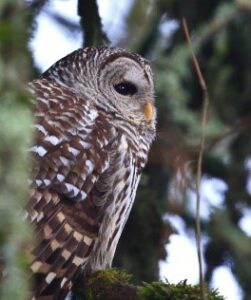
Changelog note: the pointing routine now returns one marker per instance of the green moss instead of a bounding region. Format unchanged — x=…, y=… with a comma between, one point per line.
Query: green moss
x=110, y=276
x=113, y=284
x=109, y=284
x=180, y=291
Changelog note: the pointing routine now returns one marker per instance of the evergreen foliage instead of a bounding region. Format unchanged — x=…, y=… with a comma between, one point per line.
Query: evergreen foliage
x=220, y=32
x=15, y=137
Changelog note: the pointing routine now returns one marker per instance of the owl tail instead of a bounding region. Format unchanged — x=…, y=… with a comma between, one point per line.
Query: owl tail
x=61, y=250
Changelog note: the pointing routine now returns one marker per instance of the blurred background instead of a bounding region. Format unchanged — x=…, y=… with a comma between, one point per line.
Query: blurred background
x=159, y=239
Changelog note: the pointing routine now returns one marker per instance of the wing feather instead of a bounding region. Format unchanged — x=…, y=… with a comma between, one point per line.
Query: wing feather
x=71, y=152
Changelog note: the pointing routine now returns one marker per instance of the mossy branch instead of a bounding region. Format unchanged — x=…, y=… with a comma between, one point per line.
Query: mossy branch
x=113, y=284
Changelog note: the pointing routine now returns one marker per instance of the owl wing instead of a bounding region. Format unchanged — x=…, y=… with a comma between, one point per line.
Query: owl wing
x=71, y=153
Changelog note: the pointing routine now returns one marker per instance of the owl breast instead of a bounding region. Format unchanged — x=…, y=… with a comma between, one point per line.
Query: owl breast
x=122, y=181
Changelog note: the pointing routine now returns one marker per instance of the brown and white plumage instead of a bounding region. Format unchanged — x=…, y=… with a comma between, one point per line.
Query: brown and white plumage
x=95, y=121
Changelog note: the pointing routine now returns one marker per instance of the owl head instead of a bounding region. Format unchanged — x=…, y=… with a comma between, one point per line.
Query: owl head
x=115, y=80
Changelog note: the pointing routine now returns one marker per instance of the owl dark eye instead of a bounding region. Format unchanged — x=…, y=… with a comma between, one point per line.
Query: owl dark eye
x=125, y=88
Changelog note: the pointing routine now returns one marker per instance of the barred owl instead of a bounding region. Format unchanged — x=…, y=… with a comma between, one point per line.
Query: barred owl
x=94, y=123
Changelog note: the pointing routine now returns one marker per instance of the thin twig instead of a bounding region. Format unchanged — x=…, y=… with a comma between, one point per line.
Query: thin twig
x=200, y=156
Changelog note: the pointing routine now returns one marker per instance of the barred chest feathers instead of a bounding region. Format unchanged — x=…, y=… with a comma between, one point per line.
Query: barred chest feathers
x=123, y=185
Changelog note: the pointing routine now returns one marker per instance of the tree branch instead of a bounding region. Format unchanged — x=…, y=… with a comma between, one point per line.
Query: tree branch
x=91, y=24
x=113, y=284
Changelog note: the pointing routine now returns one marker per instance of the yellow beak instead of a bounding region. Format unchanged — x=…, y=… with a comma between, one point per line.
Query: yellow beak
x=148, y=111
